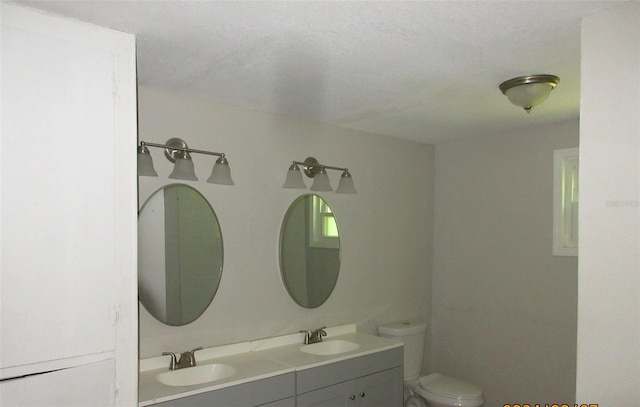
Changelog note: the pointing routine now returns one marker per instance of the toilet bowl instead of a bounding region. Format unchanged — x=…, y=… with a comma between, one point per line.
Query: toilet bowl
x=433, y=390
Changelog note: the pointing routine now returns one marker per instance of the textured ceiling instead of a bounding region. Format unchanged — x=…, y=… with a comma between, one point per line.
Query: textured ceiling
x=421, y=70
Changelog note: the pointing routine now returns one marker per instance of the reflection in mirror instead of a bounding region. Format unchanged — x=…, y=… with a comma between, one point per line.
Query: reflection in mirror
x=309, y=251
x=180, y=254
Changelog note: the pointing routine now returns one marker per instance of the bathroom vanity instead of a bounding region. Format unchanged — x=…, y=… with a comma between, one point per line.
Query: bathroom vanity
x=348, y=368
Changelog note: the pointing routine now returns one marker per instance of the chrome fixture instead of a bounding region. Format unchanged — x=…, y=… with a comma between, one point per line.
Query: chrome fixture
x=307, y=335
x=529, y=91
x=187, y=359
x=314, y=336
x=177, y=151
x=313, y=169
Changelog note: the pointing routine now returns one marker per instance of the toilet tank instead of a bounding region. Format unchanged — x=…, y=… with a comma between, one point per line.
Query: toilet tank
x=412, y=333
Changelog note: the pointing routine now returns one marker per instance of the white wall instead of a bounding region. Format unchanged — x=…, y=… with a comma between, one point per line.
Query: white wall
x=608, y=370
x=386, y=228
x=504, y=308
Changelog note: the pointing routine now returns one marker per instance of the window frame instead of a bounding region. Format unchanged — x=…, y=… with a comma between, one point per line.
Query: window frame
x=320, y=210
x=565, y=210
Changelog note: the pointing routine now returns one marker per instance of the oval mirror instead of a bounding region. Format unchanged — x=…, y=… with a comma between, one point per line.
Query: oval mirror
x=180, y=254
x=309, y=251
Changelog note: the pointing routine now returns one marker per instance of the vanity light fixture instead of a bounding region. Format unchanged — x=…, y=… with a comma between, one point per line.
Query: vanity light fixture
x=177, y=151
x=313, y=169
x=529, y=91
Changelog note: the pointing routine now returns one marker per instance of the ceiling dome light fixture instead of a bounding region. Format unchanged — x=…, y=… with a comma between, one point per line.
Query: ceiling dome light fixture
x=529, y=91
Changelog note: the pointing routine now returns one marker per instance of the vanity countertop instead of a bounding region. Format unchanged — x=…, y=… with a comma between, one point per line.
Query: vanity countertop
x=250, y=366
x=291, y=355
x=256, y=360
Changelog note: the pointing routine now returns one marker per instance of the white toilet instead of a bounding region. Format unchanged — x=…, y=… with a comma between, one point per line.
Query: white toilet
x=434, y=390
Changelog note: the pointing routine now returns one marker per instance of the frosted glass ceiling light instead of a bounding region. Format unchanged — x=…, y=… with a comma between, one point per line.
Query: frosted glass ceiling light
x=145, y=162
x=294, y=178
x=529, y=91
x=313, y=169
x=177, y=151
x=221, y=172
x=345, y=186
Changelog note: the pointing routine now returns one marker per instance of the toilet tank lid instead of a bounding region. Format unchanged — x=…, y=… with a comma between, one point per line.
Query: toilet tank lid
x=403, y=328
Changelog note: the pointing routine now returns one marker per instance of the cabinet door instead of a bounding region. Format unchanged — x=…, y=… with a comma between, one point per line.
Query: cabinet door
x=382, y=389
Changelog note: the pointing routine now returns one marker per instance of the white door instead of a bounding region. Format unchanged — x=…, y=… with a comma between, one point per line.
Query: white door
x=68, y=200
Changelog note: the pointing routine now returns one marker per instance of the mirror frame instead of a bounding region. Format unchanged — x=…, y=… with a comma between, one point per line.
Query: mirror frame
x=283, y=226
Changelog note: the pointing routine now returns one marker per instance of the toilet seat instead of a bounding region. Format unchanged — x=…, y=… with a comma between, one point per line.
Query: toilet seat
x=447, y=390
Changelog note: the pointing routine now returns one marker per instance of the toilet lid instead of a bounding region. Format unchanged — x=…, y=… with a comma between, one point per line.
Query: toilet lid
x=449, y=387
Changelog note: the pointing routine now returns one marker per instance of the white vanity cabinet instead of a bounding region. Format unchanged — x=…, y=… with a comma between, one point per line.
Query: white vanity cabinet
x=276, y=391
x=373, y=380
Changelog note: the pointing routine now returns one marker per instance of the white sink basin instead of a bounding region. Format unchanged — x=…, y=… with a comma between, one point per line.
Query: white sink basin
x=330, y=347
x=196, y=375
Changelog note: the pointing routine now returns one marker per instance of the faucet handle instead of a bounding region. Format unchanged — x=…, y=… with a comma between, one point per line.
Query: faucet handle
x=193, y=356
x=307, y=336
x=173, y=364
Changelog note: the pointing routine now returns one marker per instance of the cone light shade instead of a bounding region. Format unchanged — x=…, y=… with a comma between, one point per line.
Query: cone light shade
x=294, y=178
x=321, y=181
x=221, y=173
x=345, y=186
x=183, y=168
x=145, y=163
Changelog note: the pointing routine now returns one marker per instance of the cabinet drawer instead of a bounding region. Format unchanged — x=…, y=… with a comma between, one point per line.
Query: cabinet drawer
x=327, y=375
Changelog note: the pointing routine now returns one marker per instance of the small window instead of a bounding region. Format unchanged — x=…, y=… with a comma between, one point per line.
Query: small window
x=565, y=202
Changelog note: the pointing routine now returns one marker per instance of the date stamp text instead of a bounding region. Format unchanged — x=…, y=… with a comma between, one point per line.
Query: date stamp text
x=550, y=405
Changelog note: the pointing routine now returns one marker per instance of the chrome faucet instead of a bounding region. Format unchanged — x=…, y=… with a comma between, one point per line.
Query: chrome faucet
x=187, y=359
x=307, y=335
x=316, y=335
